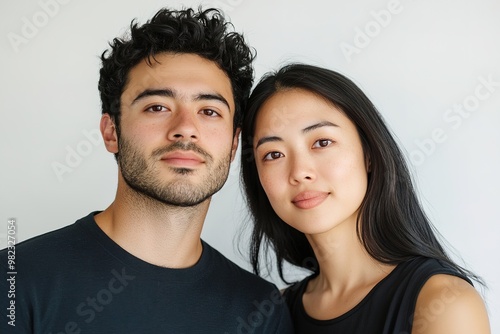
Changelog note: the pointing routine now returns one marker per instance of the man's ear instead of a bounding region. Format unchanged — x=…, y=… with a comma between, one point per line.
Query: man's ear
x=235, y=143
x=108, y=131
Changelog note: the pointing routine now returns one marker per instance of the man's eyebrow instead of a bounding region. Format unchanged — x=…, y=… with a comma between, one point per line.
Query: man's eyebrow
x=212, y=96
x=154, y=92
x=170, y=93
x=318, y=125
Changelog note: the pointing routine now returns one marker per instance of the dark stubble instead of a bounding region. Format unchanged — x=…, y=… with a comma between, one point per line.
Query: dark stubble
x=143, y=174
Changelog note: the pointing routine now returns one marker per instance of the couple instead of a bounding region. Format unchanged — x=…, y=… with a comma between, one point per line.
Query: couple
x=326, y=185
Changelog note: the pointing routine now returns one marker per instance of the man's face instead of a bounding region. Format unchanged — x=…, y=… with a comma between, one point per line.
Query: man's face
x=177, y=140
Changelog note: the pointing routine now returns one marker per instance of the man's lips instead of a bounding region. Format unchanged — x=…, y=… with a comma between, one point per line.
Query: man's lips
x=182, y=159
x=309, y=199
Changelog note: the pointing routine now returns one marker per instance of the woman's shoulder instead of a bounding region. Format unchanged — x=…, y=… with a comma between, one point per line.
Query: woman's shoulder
x=418, y=270
x=449, y=304
x=295, y=290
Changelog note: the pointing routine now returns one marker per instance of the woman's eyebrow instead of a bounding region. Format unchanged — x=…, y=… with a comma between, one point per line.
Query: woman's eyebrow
x=318, y=125
x=267, y=139
x=305, y=130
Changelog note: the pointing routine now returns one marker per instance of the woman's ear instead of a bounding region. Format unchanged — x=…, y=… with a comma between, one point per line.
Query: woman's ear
x=368, y=163
x=109, y=135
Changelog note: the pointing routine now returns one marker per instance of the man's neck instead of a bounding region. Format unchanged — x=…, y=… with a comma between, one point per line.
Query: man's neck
x=157, y=233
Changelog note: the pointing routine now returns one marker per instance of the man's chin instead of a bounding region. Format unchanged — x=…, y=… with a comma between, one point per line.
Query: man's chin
x=179, y=194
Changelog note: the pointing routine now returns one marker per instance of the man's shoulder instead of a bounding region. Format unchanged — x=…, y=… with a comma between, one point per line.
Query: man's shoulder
x=55, y=241
x=258, y=298
x=230, y=271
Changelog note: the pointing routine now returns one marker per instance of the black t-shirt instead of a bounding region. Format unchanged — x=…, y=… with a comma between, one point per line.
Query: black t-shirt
x=387, y=309
x=76, y=280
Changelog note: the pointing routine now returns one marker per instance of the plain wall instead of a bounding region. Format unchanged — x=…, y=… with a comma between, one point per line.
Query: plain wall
x=430, y=67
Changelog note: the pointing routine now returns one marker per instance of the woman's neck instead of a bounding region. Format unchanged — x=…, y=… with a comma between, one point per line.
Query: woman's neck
x=347, y=273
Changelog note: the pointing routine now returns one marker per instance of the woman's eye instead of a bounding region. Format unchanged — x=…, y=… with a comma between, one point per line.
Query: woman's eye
x=322, y=143
x=273, y=156
x=209, y=112
x=156, y=108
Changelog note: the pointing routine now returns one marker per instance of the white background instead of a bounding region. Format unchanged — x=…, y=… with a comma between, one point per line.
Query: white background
x=415, y=65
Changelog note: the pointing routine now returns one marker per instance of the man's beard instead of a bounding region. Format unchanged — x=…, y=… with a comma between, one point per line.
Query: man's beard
x=144, y=175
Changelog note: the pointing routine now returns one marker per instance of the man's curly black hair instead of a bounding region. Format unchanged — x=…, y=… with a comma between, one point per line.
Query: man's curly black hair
x=205, y=33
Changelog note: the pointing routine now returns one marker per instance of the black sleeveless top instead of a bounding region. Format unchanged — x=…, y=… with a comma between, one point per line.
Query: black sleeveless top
x=387, y=309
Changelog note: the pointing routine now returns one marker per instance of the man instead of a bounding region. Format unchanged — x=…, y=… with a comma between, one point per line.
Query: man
x=172, y=97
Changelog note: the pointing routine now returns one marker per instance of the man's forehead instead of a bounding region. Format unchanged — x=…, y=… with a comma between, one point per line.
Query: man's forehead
x=135, y=92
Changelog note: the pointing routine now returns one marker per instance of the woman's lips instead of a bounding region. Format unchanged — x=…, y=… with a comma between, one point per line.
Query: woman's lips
x=309, y=199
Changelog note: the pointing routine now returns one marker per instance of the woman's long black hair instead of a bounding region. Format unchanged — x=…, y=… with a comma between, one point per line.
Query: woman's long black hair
x=391, y=225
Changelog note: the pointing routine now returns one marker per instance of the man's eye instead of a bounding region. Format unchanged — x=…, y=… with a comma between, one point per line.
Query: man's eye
x=273, y=156
x=209, y=112
x=322, y=143
x=156, y=108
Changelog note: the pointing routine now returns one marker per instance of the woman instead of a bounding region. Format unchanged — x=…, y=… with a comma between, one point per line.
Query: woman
x=329, y=190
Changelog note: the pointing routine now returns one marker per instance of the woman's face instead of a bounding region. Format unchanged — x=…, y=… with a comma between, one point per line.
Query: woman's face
x=310, y=161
